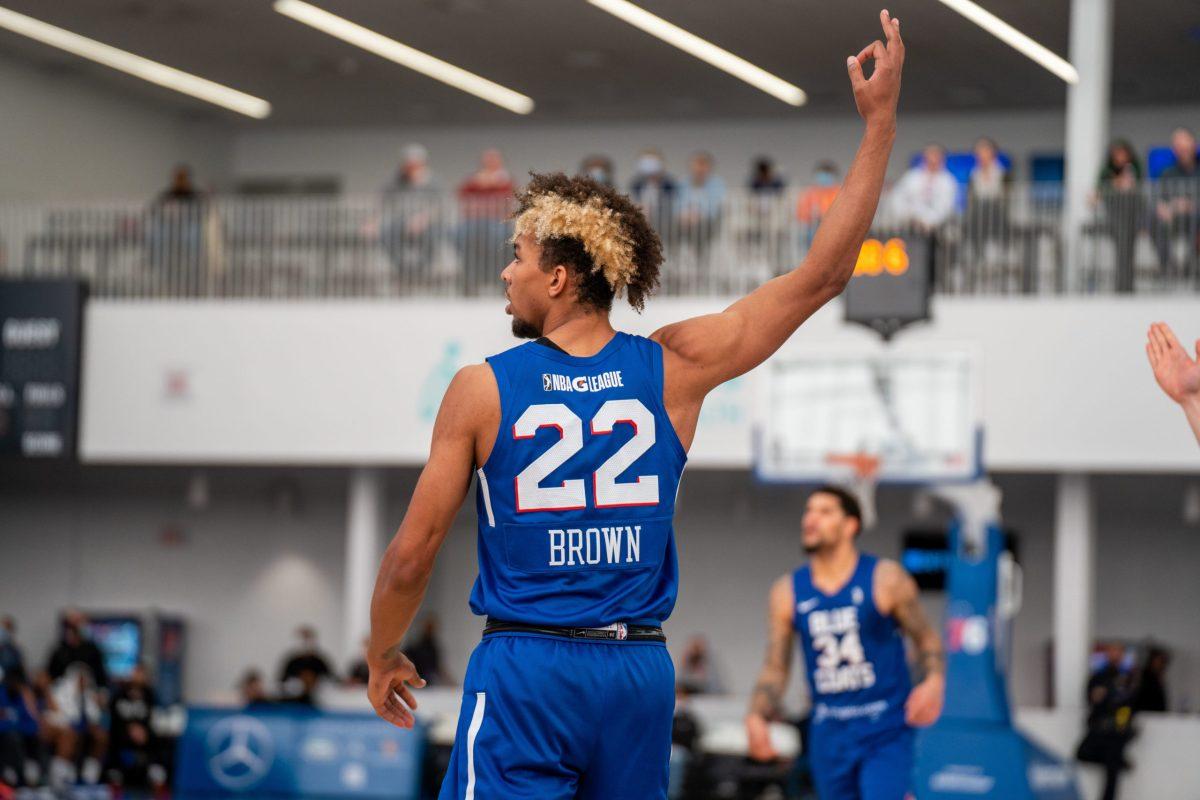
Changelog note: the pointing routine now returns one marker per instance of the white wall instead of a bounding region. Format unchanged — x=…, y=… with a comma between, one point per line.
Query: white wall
x=1065, y=381
x=65, y=138
x=365, y=158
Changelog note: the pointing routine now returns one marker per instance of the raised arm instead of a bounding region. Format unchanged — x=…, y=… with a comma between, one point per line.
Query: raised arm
x=766, y=701
x=408, y=561
x=896, y=594
x=703, y=352
x=1176, y=372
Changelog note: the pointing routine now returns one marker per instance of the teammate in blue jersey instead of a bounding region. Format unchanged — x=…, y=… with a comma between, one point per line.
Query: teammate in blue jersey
x=577, y=441
x=851, y=611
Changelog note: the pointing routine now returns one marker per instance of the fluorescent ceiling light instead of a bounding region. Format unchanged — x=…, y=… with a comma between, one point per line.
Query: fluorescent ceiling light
x=137, y=66
x=1013, y=37
x=404, y=55
x=704, y=50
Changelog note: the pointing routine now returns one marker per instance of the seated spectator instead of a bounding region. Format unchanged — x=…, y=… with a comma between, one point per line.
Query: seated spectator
x=600, y=169
x=698, y=672
x=55, y=747
x=306, y=658
x=411, y=213
x=701, y=205
x=819, y=196
x=1177, y=210
x=12, y=660
x=81, y=704
x=134, y=758
x=764, y=178
x=426, y=653
x=925, y=196
x=987, y=196
x=252, y=690
x=1120, y=193
x=75, y=648
x=485, y=202
x=654, y=189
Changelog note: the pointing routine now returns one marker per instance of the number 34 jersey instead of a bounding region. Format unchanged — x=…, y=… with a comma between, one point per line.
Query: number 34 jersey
x=576, y=500
x=856, y=667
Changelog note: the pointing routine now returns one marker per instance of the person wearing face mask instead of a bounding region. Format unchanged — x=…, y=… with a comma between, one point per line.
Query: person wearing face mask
x=598, y=168
x=654, y=189
x=818, y=197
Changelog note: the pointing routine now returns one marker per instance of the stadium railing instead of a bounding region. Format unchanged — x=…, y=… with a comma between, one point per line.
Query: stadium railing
x=435, y=244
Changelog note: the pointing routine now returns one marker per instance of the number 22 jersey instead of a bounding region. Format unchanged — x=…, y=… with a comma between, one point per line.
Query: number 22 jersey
x=576, y=500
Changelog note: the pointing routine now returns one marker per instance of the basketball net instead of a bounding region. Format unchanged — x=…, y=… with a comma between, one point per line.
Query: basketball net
x=862, y=478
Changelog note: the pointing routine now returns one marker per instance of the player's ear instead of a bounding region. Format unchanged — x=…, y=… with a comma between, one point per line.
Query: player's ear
x=560, y=279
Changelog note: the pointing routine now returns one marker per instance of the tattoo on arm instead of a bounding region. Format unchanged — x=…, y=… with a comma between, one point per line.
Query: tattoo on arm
x=916, y=625
x=767, y=697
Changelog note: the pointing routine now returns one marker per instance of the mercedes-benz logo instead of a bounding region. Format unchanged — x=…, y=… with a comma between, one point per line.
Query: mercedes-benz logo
x=241, y=752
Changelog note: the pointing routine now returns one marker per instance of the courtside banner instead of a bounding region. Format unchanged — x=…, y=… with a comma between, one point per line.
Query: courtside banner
x=293, y=751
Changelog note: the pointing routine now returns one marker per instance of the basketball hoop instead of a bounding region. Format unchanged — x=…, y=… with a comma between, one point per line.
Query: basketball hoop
x=863, y=480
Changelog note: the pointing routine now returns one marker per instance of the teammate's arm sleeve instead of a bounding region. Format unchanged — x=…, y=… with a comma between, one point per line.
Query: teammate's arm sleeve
x=707, y=351
x=408, y=560
x=766, y=700
x=902, y=599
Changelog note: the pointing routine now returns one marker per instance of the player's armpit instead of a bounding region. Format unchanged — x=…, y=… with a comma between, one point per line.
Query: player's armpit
x=766, y=700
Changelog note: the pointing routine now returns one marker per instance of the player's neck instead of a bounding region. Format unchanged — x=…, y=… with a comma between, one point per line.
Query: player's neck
x=578, y=331
x=833, y=567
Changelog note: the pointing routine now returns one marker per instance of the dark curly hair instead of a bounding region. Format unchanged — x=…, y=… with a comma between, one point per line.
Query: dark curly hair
x=592, y=287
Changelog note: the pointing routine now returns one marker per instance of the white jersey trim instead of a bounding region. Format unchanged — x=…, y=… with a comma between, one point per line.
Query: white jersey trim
x=472, y=732
x=487, y=497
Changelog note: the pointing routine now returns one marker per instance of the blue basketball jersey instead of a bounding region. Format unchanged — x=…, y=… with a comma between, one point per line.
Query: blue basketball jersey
x=854, y=655
x=576, y=500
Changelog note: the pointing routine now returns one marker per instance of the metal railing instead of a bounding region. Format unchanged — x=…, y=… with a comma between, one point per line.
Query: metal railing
x=435, y=244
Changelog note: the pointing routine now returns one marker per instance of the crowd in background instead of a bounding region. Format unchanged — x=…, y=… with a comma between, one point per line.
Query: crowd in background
x=963, y=203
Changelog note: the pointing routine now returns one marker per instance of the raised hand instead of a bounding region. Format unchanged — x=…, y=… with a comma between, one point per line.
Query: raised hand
x=876, y=96
x=388, y=688
x=1176, y=372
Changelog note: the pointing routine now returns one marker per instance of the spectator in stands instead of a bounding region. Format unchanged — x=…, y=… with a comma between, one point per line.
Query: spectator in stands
x=55, y=745
x=1120, y=193
x=82, y=705
x=12, y=660
x=411, y=218
x=176, y=226
x=987, y=197
x=699, y=673
x=1177, y=210
x=252, y=690
x=485, y=202
x=600, y=169
x=306, y=657
x=655, y=191
x=925, y=196
x=426, y=653
x=1177, y=373
x=75, y=648
x=701, y=206
x=1151, y=692
x=764, y=178
x=819, y=196
x=135, y=758
x=1109, y=695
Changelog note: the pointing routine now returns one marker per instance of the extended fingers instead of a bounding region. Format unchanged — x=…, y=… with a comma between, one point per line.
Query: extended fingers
x=1168, y=335
x=891, y=32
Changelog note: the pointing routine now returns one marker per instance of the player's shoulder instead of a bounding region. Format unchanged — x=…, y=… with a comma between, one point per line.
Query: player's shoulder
x=892, y=581
x=783, y=589
x=473, y=386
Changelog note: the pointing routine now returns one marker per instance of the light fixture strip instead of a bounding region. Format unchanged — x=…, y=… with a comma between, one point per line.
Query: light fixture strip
x=131, y=64
x=380, y=45
x=1014, y=38
x=704, y=50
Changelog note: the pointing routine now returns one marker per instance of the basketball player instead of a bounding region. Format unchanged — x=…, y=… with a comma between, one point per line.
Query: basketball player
x=1176, y=372
x=577, y=441
x=850, y=610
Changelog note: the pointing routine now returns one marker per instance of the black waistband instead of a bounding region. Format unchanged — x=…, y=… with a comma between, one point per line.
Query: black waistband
x=618, y=632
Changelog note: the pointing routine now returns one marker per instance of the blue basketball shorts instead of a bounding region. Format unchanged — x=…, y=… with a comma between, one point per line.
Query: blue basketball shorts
x=850, y=765
x=547, y=717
